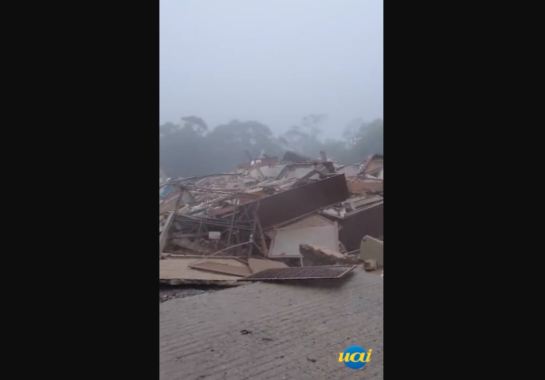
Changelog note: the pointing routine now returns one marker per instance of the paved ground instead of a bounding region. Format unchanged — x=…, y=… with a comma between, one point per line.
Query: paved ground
x=168, y=293
x=274, y=331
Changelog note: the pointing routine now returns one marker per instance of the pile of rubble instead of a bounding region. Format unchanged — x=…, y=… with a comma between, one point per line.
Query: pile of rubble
x=271, y=214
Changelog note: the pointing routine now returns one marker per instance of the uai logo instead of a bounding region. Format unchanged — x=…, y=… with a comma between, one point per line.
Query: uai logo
x=355, y=357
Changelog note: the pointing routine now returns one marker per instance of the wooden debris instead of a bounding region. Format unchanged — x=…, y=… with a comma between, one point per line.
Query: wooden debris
x=239, y=270
x=177, y=271
x=258, y=265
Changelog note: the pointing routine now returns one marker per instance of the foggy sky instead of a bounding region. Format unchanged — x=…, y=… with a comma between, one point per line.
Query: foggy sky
x=274, y=61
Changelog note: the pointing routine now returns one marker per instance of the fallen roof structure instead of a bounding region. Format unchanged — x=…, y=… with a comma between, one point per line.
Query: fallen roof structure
x=267, y=209
x=290, y=204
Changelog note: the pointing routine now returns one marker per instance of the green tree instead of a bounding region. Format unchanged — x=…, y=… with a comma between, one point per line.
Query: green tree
x=191, y=148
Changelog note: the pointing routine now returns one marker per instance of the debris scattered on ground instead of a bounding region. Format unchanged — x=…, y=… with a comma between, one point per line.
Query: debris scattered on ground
x=313, y=256
x=167, y=292
x=270, y=215
x=370, y=265
x=233, y=267
x=259, y=265
x=304, y=273
x=177, y=271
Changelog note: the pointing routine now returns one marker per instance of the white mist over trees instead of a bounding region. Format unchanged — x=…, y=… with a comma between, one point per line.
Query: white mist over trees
x=192, y=148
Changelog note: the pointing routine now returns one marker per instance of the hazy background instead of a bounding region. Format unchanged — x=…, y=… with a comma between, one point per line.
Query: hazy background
x=275, y=61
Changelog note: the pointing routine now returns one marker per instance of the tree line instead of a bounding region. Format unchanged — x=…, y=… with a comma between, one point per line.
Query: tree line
x=192, y=148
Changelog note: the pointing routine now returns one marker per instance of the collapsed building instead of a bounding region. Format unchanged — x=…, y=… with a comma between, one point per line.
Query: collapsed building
x=269, y=214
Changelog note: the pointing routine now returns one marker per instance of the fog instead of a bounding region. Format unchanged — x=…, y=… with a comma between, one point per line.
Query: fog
x=273, y=61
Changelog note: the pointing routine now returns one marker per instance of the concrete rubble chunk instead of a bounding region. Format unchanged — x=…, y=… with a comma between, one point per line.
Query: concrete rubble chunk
x=370, y=265
x=372, y=249
x=313, y=256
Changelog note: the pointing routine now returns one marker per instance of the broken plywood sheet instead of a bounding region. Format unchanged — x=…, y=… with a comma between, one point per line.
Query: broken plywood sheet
x=259, y=265
x=286, y=242
x=301, y=273
x=229, y=267
x=177, y=271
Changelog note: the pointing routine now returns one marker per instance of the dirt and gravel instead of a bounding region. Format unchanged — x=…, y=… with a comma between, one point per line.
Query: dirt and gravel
x=274, y=330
